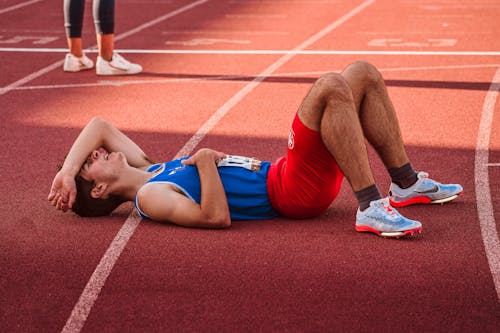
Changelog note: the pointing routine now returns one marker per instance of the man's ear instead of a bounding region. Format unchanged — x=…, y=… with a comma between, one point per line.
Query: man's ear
x=99, y=191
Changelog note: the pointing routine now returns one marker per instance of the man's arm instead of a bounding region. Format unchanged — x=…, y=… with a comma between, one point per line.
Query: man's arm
x=100, y=133
x=163, y=203
x=96, y=134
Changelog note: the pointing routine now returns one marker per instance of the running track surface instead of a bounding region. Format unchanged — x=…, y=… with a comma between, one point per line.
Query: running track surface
x=120, y=274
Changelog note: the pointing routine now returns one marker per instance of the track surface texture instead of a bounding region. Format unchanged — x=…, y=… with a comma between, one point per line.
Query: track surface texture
x=230, y=74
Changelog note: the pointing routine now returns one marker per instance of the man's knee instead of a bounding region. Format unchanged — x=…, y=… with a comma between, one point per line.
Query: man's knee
x=366, y=72
x=333, y=86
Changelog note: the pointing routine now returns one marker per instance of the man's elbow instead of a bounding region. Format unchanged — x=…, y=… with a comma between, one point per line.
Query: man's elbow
x=96, y=120
x=99, y=122
x=222, y=221
x=226, y=223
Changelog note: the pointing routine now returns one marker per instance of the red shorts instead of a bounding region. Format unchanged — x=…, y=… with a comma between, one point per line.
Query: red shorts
x=305, y=182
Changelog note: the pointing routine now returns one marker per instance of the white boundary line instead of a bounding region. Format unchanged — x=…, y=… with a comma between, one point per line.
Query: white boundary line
x=111, y=83
x=82, y=308
x=207, y=78
x=487, y=222
x=265, y=52
x=19, y=5
x=212, y=121
x=92, y=289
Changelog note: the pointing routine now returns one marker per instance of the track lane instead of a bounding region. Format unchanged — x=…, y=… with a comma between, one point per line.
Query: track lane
x=278, y=237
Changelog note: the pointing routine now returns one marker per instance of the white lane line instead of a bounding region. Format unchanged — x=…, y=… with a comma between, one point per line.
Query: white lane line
x=31, y=77
x=92, y=289
x=487, y=223
x=199, y=78
x=139, y=28
x=266, y=52
x=135, y=82
x=19, y=5
x=81, y=311
x=217, y=116
x=396, y=69
x=160, y=19
x=288, y=2
x=493, y=164
x=420, y=68
x=225, y=32
x=257, y=16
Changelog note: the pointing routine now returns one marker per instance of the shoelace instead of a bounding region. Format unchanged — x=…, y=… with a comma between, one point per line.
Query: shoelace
x=119, y=59
x=392, y=212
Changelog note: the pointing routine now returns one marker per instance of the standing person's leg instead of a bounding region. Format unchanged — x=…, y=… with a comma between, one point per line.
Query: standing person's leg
x=104, y=20
x=108, y=61
x=106, y=45
x=75, y=60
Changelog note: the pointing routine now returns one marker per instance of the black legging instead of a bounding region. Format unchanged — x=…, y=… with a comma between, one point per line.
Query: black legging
x=104, y=16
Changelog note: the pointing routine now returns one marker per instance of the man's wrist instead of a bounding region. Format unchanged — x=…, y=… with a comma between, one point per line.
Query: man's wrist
x=70, y=170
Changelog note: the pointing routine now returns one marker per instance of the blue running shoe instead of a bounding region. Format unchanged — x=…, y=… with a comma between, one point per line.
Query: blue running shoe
x=424, y=191
x=383, y=220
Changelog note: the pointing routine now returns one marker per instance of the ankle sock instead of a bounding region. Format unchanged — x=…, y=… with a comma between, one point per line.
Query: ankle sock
x=404, y=176
x=367, y=195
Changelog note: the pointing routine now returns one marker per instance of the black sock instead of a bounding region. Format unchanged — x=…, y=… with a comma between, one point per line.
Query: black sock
x=404, y=176
x=367, y=195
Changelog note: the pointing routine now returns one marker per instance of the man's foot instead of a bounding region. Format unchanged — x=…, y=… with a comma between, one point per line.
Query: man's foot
x=383, y=220
x=75, y=64
x=117, y=66
x=424, y=191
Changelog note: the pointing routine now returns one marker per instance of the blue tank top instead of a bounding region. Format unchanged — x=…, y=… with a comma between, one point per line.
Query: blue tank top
x=246, y=190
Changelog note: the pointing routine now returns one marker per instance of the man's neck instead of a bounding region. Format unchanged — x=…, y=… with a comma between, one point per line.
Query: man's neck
x=130, y=182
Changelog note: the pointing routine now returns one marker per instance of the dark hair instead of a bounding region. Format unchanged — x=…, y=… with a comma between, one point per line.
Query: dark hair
x=87, y=206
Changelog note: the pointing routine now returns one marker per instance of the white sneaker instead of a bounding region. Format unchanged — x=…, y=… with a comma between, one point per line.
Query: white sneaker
x=383, y=220
x=117, y=66
x=424, y=191
x=75, y=64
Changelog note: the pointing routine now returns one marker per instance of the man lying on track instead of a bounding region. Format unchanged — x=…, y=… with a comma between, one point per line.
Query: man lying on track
x=104, y=168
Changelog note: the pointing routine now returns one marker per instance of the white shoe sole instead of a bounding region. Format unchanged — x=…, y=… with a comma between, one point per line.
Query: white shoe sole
x=116, y=71
x=389, y=234
x=445, y=199
x=77, y=70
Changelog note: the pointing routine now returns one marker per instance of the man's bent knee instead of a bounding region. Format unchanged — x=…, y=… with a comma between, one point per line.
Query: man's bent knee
x=329, y=89
x=333, y=85
x=365, y=72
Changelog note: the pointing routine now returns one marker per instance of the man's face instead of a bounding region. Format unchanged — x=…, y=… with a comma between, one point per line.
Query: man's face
x=102, y=165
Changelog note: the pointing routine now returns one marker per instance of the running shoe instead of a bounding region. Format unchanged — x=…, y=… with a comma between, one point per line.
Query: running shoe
x=424, y=191
x=383, y=220
x=117, y=66
x=76, y=64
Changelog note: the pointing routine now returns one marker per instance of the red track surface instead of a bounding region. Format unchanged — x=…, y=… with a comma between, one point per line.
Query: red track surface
x=281, y=275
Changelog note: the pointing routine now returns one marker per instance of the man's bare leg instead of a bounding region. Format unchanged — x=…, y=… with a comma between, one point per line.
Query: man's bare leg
x=348, y=108
x=376, y=113
x=330, y=108
x=379, y=121
x=333, y=108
